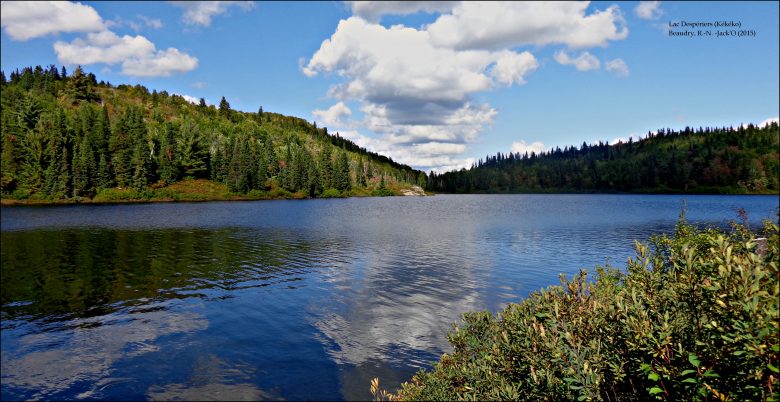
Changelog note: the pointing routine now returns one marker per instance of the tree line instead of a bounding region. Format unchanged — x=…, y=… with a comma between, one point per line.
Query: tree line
x=68, y=135
x=706, y=160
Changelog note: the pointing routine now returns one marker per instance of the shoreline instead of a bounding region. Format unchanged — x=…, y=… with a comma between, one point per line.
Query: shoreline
x=11, y=202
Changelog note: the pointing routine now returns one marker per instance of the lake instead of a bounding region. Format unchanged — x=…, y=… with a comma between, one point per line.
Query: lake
x=298, y=299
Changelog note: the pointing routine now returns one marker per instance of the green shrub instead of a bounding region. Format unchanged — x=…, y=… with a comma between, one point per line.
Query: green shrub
x=383, y=192
x=20, y=194
x=330, y=193
x=693, y=317
x=116, y=194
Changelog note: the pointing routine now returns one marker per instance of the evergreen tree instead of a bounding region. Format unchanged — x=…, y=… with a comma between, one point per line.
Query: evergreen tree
x=141, y=166
x=270, y=154
x=80, y=86
x=82, y=161
x=224, y=108
x=104, y=177
x=168, y=168
x=326, y=168
x=120, y=146
x=58, y=172
x=341, y=173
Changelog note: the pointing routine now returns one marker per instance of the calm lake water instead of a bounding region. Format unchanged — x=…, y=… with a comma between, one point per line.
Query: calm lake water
x=301, y=299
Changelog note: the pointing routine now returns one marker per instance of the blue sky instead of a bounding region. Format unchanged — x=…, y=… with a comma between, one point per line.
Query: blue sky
x=436, y=85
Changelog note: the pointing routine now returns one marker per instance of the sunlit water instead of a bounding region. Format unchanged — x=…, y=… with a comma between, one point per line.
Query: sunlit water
x=289, y=299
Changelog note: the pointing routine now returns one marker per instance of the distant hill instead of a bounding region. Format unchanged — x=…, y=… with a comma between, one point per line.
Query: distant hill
x=67, y=136
x=705, y=160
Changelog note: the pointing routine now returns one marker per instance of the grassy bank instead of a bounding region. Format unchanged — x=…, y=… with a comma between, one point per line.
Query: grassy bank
x=693, y=317
x=199, y=190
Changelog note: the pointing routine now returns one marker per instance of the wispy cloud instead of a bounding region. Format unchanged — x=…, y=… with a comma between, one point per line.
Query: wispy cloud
x=649, y=10
x=584, y=62
x=617, y=66
x=201, y=12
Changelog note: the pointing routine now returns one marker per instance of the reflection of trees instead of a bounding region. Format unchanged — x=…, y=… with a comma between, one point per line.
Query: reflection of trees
x=85, y=272
x=212, y=380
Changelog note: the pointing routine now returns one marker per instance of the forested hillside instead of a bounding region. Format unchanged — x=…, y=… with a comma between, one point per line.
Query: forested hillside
x=67, y=136
x=710, y=160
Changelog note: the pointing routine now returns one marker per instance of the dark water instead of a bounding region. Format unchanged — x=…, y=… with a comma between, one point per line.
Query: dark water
x=289, y=299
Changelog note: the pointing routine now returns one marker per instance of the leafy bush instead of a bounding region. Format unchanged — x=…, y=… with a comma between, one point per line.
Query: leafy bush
x=330, y=193
x=116, y=194
x=383, y=192
x=693, y=317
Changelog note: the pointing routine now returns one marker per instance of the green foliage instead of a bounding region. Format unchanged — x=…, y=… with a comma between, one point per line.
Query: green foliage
x=382, y=192
x=720, y=160
x=331, y=193
x=69, y=137
x=693, y=317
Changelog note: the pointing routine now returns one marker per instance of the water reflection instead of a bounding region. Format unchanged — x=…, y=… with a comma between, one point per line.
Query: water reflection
x=287, y=300
x=81, y=354
x=213, y=380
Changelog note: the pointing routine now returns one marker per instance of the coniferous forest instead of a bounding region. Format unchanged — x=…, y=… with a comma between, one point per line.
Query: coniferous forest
x=705, y=160
x=67, y=136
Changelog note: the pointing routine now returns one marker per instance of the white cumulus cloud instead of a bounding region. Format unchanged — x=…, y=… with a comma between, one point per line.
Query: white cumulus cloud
x=584, y=62
x=617, y=66
x=190, y=99
x=24, y=20
x=416, y=86
x=201, y=12
x=160, y=64
x=374, y=10
x=406, y=84
x=491, y=25
x=103, y=47
x=138, y=55
x=333, y=115
x=522, y=147
x=648, y=10
x=511, y=67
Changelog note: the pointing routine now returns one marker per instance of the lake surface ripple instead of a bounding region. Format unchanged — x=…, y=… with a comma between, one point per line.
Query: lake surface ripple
x=301, y=299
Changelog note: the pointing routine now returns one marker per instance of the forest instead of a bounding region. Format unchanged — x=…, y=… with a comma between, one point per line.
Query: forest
x=728, y=160
x=67, y=136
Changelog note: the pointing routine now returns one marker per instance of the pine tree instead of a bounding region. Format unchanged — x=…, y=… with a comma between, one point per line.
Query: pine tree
x=58, y=170
x=141, y=166
x=81, y=168
x=326, y=168
x=168, y=168
x=80, y=86
x=104, y=177
x=190, y=150
x=342, y=180
x=224, y=108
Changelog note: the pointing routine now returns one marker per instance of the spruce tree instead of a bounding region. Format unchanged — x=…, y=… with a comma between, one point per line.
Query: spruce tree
x=168, y=168
x=326, y=168
x=224, y=108
x=344, y=183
